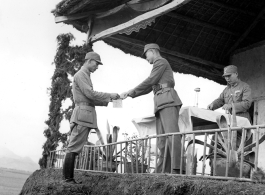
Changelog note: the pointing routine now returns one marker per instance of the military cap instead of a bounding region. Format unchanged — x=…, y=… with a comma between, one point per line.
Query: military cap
x=150, y=46
x=228, y=70
x=93, y=56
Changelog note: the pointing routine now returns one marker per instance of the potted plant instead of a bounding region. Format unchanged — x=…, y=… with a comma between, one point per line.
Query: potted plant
x=108, y=157
x=135, y=152
x=230, y=143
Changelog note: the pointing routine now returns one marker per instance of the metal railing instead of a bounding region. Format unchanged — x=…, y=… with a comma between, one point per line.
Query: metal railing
x=135, y=156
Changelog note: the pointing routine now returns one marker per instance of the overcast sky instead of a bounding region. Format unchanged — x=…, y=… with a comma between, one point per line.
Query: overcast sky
x=27, y=48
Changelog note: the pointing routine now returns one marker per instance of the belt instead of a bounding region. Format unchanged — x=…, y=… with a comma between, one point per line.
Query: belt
x=84, y=104
x=159, y=86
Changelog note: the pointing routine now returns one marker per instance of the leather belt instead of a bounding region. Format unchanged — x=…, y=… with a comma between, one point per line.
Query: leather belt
x=84, y=104
x=159, y=86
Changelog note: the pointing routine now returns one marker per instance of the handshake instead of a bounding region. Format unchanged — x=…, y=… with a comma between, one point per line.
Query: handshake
x=115, y=96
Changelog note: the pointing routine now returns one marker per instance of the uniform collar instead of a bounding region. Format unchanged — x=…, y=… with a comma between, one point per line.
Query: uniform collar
x=157, y=58
x=85, y=70
x=236, y=83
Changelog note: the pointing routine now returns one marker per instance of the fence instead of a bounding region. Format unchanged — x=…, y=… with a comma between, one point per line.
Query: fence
x=230, y=155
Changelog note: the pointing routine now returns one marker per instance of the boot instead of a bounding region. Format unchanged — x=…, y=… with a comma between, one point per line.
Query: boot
x=68, y=168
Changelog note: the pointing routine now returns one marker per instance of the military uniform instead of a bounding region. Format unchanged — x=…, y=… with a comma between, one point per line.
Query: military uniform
x=166, y=108
x=84, y=117
x=239, y=94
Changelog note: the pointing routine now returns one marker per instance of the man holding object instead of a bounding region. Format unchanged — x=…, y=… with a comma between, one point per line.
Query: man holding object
x=237, y=92
x=166, y=106
x=84, y=116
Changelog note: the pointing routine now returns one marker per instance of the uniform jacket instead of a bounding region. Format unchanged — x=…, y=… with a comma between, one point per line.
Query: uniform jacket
x=82, y=89
x=160, y=74
x=239, y=94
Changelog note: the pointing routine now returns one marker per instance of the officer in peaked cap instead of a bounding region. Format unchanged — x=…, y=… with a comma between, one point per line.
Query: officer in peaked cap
x=150, y=46
x=228, y=70
x=236, y=92
x=84, y=117
x=167, y=105
x=93, y=56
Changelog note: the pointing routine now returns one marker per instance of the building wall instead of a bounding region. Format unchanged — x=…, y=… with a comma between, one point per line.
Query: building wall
x=251, y=69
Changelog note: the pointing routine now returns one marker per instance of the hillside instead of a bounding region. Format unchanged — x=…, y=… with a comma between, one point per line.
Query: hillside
x=48, y=181
x=10, y=160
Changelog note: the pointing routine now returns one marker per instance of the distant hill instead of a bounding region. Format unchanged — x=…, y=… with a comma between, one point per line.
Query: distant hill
x=10, y=160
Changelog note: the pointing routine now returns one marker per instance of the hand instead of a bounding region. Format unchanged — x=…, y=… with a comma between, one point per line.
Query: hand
x=227, y=107
x=124, y=95
x=210, y=107
x=114, y=96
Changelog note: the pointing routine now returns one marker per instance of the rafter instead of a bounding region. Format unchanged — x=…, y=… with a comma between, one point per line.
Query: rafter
x=142, y=18
x=79, y=6
x=245, y=34
x=231, y=7
x=72, y=17
x=201, y=23
x=141, y=44
x=178, y=64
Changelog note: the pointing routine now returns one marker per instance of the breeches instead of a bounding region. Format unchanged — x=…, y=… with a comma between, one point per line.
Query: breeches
x=78, y=138
x=167, y=122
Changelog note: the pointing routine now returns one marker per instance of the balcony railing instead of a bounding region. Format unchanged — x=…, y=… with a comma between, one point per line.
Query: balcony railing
x=135, y=156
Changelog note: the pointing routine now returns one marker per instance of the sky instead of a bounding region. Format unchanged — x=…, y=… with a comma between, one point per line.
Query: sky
x=27, y=49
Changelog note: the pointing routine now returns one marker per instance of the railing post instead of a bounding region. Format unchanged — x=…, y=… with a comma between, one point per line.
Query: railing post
x=131, y=156
x=94, y=158
x=215, y=150
x=257, y=149
x=102, y=159
x=149, y=155
x=143, y=154
x=110, y=150
x=193, y=152
x=156, y=155
x=204, y=153
x=136, y=156
x=242, y=152
x=182, y=153
x=165, y=155
x=90, y=158
x=121, y=156
x=125, y=159
x=107, y=158
x=116, y=163
x=173, y=153
x=228, y=152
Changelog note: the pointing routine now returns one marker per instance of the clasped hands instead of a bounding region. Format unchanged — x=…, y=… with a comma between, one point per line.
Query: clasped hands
x=114, y=96
x=124, y=95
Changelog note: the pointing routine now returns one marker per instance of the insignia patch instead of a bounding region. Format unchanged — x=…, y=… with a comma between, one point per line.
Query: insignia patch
x=237, y=92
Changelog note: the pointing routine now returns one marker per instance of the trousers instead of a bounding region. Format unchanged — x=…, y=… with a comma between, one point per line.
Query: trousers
x=78, y=138
x=167, y=122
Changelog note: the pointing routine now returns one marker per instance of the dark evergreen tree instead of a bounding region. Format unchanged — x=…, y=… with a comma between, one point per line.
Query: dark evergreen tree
x=68, y=60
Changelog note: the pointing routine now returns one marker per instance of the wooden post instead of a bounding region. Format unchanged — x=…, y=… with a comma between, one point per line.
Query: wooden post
x=90, y=25
x=189, y=159
x=234, y=124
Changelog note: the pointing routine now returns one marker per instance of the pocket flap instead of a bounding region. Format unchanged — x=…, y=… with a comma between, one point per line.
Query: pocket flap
x=165, y=97
x=85, y=114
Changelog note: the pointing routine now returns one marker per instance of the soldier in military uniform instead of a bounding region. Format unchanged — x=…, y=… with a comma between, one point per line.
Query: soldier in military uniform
x=237, y=92
x=166, y=105
x=84, y=116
